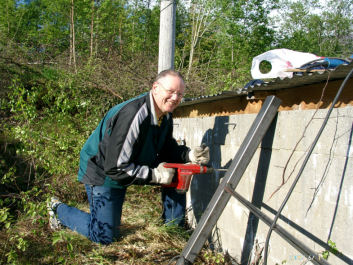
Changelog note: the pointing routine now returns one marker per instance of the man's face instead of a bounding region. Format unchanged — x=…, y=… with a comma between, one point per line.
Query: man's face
x=167, y=93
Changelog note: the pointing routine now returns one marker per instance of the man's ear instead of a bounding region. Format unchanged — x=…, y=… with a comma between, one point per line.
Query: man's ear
x=154, y=88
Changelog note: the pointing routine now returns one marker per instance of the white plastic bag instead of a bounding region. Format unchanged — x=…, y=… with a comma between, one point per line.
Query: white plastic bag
x=280, y=59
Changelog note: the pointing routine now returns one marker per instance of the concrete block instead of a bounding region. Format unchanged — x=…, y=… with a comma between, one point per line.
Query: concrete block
x=237, y=134
x=321, y=205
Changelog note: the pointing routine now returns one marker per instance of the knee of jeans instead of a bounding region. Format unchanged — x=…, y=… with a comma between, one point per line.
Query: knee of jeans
x=103, y=234
x=104, y=240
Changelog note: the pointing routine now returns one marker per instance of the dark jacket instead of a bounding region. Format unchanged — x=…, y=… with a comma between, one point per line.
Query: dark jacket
x=127, y=144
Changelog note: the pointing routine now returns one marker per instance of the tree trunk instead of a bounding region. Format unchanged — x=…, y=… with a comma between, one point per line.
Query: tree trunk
x=72, y=39
x=92, y=31
x=120, y=36
x=201, y=21
x=70, y=57
x=96, y=37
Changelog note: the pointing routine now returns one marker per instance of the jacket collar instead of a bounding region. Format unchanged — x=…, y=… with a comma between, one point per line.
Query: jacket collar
x=154, y=119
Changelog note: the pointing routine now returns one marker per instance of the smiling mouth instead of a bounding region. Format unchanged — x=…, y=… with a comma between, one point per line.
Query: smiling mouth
x=172, y=103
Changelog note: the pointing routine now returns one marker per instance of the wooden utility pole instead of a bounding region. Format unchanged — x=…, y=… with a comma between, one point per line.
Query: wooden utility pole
x=167, y=35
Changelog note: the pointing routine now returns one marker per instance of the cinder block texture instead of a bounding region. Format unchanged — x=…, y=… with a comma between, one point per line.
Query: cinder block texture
x=321, y=206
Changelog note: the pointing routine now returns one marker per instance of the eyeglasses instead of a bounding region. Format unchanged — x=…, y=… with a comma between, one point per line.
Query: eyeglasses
x=171, y=92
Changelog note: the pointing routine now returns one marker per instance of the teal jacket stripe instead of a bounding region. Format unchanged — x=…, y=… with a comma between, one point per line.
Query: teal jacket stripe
x=90, y=148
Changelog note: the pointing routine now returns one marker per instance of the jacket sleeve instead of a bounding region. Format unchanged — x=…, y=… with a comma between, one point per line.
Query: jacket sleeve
x=123, y=132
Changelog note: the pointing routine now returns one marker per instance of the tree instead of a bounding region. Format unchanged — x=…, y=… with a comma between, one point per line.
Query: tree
x=245, y=34
x=7, y=18
x=72, y=59
x=321, y=28
x=92, y=29
x=203, y=15
x=339, y=26
x=224, y=36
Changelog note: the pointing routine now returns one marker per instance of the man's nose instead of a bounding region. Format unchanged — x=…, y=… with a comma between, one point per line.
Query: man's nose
x=175, y=96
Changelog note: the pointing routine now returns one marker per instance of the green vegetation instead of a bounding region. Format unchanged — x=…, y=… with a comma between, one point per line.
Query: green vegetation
x=332, y=249
x=47, y=114
x=64, y=63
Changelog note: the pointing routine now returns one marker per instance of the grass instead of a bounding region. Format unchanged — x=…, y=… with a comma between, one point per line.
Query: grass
x=144, y=239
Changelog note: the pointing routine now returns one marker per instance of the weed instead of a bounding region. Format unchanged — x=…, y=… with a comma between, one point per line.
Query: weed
x=332, y=249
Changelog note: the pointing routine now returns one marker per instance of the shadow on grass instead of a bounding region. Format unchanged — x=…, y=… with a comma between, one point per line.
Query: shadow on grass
x=127, y=230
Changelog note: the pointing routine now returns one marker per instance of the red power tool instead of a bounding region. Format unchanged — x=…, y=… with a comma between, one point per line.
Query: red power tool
x=184, y=173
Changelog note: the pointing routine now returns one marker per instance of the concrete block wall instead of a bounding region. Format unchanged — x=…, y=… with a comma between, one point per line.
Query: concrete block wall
x=319, y=209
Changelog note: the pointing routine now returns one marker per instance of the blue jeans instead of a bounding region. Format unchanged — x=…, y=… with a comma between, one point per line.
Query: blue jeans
x=102, y=224
x=174, y=205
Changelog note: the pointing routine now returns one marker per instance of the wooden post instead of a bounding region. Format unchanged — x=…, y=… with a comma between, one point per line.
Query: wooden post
x=167, y=35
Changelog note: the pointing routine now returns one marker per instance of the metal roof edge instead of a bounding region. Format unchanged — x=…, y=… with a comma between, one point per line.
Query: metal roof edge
x=299, y=79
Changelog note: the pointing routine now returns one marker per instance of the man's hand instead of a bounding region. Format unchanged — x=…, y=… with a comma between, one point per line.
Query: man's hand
x=200, y=154
x=162, y=175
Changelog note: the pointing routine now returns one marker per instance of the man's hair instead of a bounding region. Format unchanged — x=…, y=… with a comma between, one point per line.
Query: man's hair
x=168, y=72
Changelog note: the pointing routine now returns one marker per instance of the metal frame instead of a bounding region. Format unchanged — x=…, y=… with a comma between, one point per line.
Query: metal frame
x=303, y=249
x=228, y=185
x=232, y=177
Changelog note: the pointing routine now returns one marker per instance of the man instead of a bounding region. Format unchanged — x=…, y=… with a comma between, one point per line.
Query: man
x=129, y=146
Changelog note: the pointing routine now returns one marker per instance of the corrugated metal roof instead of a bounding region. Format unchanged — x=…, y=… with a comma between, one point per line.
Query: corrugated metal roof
x=298, y=79
x=218, y=96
